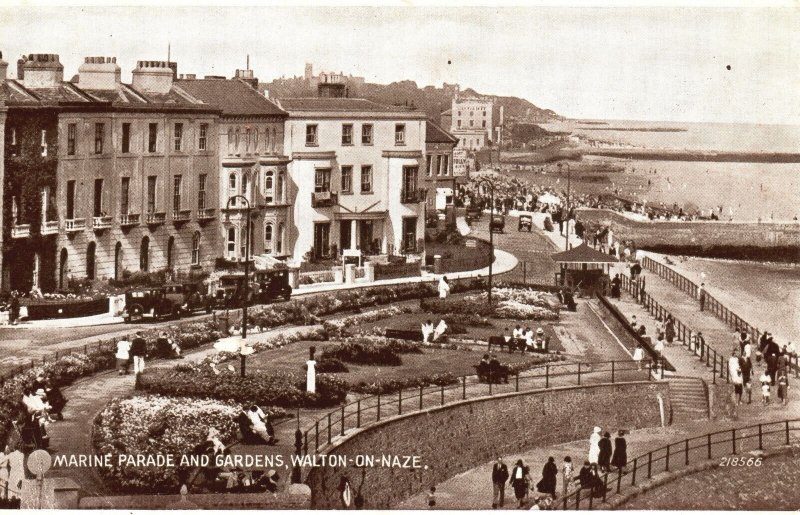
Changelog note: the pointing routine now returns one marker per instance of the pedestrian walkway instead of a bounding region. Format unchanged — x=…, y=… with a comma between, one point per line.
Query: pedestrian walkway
x=473, y=489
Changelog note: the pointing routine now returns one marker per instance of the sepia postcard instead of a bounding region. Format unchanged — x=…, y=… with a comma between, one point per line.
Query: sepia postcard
x=417, y=256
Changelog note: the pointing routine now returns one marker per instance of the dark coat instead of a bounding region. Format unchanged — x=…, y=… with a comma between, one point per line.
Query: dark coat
x=499, y=473
x=547, y=485
x=138, y=347
x=620, y=457
x=604, y=458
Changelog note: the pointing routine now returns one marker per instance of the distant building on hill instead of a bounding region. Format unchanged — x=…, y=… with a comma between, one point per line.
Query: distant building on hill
x=471, y=121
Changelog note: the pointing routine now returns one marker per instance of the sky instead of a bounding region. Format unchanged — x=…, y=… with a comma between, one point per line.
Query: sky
x=628, y=62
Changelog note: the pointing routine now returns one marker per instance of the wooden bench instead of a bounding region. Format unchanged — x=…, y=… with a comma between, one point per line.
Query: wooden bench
x=404, y=334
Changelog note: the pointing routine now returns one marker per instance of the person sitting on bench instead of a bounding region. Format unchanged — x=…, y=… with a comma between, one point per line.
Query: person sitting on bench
x=518, y=336
x=259, y=424
x=540, y=343
x=529, y=343
x=55, y=399
x=441, y=327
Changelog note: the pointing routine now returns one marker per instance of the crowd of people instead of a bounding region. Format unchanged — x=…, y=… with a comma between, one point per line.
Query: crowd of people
x=775, y=376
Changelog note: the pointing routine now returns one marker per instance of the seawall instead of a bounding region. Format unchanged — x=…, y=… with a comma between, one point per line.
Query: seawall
x=735, y=240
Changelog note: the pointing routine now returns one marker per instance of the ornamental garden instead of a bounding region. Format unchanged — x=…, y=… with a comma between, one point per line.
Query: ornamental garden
x=173, y=407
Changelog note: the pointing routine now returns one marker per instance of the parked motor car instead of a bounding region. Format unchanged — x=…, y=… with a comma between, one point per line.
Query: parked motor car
x=497, y=223
x=473, y=213
x=149, y=302
x=189, y=297
x=272, y=285
x=525, y=223
x=231, y=291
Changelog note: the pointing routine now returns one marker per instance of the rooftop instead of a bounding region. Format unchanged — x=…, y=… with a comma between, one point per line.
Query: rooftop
x=232, y=96
x=436, y=134
x=338, y=105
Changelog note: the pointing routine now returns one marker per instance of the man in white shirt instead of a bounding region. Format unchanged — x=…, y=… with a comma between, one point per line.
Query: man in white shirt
x=258, y=422
x=123, y=355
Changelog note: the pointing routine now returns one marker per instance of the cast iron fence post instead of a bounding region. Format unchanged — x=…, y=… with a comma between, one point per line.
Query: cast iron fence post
x=342, y=421
x=633, y=473
x=379, y=408
x=686, y=451
x=708, y=444
x=733, y=440
x=760, y=446
x=358, y=414
x=400, y=402
x=649, y=464
x=579, y=373
x=666, y=460
x=612, y=371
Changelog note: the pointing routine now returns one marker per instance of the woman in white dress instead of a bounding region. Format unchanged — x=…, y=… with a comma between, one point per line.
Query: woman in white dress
x=594, y=445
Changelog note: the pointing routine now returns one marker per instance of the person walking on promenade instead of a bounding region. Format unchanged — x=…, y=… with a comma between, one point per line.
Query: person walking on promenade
x=735, y=373
x=701, y=295
x=746, y=368
x=638, y=356
x=669, y=329
x=771, y=354
x=139, y=352
x=594, y=445
x=499, y=478
x=766, y=383
x=547, y=485
x=520, y=479
x=444, y=287
x=567, y=472
x=123, y=355
x=620, y=457
x=604, y=458
x=14, y=308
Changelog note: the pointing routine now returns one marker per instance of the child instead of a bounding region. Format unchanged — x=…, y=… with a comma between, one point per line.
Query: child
x=566, y=473
x=638, y=356
x=765, y=384
x=783, y=387
x=432, y=498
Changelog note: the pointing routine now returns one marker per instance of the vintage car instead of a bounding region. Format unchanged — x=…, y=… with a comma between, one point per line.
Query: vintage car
x=473, y=213
x=272, y=285
x=498, y=223
x=149, y=302
x=189, y=297
x=230, y=292
x=525, y=223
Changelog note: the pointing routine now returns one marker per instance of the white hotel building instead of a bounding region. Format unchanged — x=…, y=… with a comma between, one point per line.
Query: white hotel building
x=354, y=177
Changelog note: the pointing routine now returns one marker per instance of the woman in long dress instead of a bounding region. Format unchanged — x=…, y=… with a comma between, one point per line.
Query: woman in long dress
x=604, y=458
x=547, y=485
x=620, y=457
x=16, y=474
x=594, y=445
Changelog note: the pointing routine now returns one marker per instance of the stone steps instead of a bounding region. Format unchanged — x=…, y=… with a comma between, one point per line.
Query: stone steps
x=689, y=399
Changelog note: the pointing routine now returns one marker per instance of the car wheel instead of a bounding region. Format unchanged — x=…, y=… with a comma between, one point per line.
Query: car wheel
x=135, y=313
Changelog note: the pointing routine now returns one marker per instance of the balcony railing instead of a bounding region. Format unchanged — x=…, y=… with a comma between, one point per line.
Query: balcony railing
x=414, y=196
x=75, y=224
x=129, y=220
x=181, y=216
x=21, y=231
x=49, y=227
x=324, y=199
x=155, y=218
x=206, y=214
x=101, y=222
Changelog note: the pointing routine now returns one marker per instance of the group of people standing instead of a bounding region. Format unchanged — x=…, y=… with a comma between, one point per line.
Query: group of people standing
x=603, y=458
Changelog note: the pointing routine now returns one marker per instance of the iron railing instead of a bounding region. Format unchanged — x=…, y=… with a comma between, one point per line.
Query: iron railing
x=682, y=453
x=372, y=409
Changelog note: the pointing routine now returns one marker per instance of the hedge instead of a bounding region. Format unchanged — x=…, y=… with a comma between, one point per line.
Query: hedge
x=371, y=351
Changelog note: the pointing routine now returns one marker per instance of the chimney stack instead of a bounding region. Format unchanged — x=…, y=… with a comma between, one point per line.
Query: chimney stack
x=154, y=76
x=247, y=76
x=3, y=68
x=40, y=70
x=99, y=73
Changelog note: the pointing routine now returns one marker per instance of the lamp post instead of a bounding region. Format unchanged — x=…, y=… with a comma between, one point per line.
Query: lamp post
x=490, y=185
x=566, y=232
x=242, y=355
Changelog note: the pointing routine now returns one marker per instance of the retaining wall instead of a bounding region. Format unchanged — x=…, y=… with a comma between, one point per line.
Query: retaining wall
x=458, y=437
x=702, y=235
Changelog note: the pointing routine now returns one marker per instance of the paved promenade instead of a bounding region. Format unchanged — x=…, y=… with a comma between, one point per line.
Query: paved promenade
x=473, y=489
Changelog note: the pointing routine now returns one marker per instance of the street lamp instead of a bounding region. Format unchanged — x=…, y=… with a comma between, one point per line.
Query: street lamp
x=242, y=354
x=569, y=176
x=490, y=185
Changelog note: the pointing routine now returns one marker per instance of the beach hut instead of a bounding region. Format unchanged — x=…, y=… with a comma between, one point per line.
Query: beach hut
x=584, y=268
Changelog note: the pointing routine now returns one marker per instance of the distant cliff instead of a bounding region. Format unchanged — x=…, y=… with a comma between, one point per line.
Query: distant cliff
x=430, y=99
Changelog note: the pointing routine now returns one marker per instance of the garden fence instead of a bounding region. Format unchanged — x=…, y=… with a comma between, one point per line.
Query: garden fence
x=682, y=453
x=369, y=410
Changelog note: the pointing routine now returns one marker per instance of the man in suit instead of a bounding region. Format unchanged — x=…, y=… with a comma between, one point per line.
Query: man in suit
x=139, y=352
x=499, y=478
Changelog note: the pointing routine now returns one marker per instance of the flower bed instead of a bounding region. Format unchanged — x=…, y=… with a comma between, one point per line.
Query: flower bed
x=151, y=425
x=278, y=389
x=512, y=303
x=366, y=350
x=394, y=385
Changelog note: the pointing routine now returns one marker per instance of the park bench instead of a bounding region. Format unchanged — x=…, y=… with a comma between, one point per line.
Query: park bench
x=404, y=334
x=496, y=374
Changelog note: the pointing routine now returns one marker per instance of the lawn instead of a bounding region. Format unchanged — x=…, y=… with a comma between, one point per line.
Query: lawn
x=412, y=321
x=292, y=358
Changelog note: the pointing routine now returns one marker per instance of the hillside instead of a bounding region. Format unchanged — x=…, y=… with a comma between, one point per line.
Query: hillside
x=430, y=99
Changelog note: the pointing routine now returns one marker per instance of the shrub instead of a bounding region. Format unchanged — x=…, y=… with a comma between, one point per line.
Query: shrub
x=367, y=350
x=394, y=385
x=328, y=365
x=276, y=389
x=456, y=306
x=151, y=425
